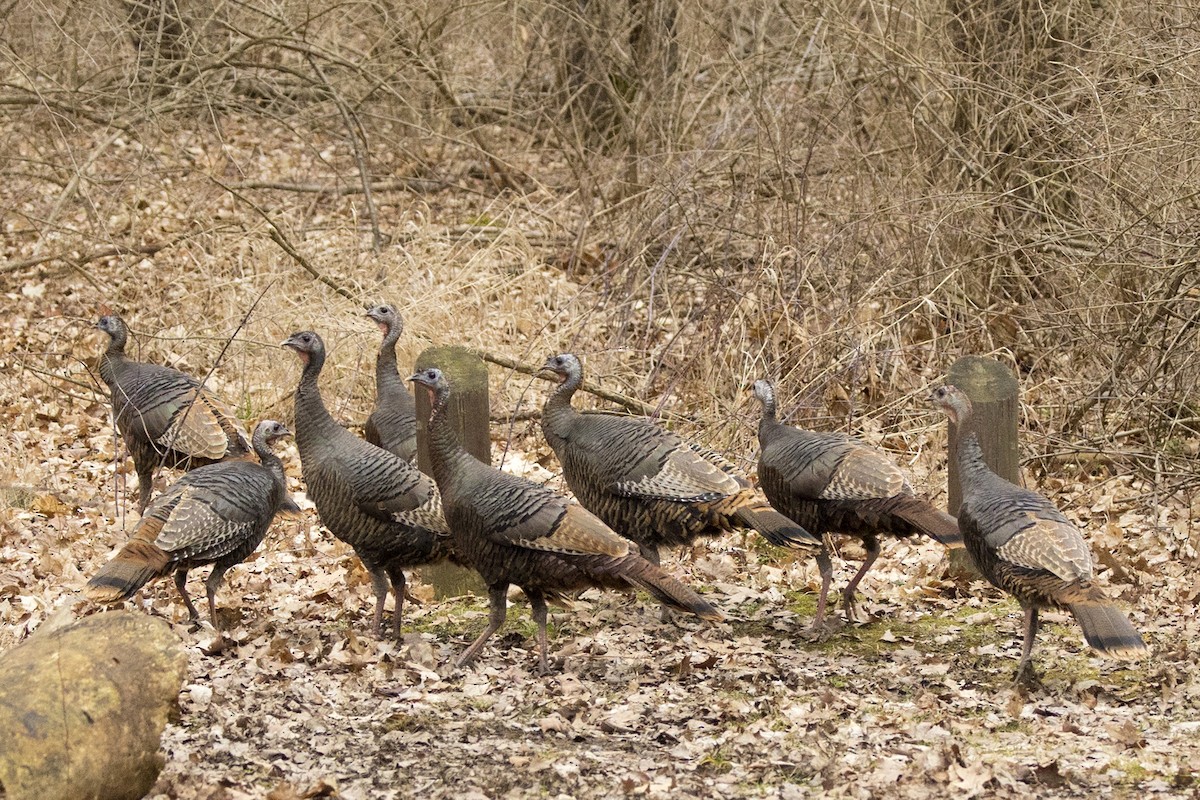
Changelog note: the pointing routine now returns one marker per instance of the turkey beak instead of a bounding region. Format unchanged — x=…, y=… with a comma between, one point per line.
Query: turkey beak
x=295, y=348
x=384, y=327
x=429, y=390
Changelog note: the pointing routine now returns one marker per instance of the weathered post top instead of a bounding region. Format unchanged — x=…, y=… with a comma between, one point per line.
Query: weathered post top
x=992, y=387
x=468, y=412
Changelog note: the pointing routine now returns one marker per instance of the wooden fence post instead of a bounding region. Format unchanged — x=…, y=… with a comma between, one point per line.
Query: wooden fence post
x=468, y=412
x=992, y=387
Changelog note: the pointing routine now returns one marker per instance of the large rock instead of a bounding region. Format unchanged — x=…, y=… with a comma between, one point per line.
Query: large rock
x=82, y=708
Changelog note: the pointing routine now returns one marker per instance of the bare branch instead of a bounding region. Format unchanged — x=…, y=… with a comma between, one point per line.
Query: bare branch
x=96, y=255
x=630, y=403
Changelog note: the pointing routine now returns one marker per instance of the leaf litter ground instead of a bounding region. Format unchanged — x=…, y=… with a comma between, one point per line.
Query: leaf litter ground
x=917, y=703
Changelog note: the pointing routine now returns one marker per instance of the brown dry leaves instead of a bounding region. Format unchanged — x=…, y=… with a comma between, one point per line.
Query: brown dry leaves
x=638, y=707
x=917, y=704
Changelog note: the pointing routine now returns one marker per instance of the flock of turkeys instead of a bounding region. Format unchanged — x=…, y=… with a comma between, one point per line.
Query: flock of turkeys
x=639, y=488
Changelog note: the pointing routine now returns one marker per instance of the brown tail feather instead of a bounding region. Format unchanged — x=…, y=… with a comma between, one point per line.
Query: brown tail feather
x=130, y=570
x=775, y=527
x=667, y=589
x=1108, y=630
x=932, y=522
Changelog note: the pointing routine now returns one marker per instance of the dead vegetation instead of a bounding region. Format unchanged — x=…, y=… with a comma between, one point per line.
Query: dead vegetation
x=843, y=198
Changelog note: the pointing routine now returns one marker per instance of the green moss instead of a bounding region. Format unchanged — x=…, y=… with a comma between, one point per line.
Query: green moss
x=528, y=628
x=768, y=553
x=715, y=761
x=1131, y=771
x=803, y=603
x=450, y=618
x=1012, y=726
x=1070, y=668
x=452, y=622
x=484, y=221
x=936, y=633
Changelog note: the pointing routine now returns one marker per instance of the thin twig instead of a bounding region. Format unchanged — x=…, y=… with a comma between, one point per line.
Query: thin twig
x=177, y=428
x=285, y=244
x=96, y=255
x=401, y=185
x=358, y=138
x=1168, y=295
x=433, y=71
x=630, y=403
x=44, y=375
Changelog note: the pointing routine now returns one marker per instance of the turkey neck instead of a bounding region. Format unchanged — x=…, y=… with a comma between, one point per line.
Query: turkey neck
x=313, y=422
x=559, y=413
x=113, y=359
x=971, y=466
x=446, y=453
x=768, y=425
x=387, y=378
x=270, y=461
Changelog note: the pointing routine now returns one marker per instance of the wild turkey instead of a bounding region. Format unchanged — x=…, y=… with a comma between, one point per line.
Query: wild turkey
x=512, y=530
x=373, y=501
x=834, y=483
x=648, y=484
x=165, y=417
x=393, y=423
x=1025, y=546
x=215, y=514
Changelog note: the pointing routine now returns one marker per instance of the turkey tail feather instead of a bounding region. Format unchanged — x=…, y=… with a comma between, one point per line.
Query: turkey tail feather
x=1108, y=630
x=934, y=523
x=775, y=527
x=667, y=589
x=131, y=569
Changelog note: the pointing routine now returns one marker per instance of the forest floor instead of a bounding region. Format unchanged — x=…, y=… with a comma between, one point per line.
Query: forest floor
x=917, y=703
